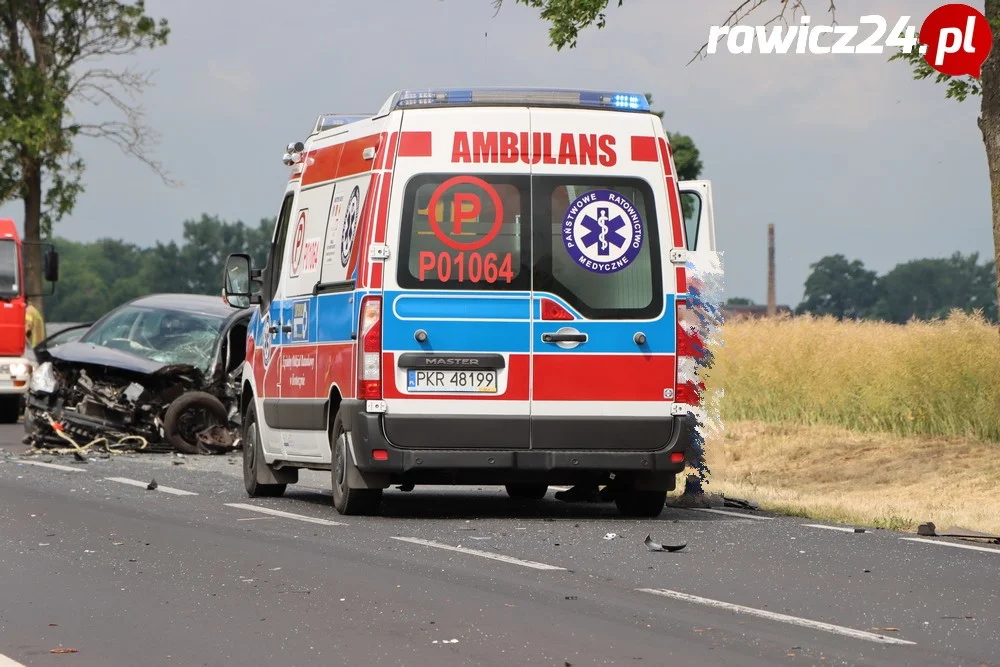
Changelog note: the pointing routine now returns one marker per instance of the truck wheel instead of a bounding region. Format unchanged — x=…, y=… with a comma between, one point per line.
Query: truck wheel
x=190, y=414
x=10, y=409
x=527, y=491
x=346, y=500
x=253, y=456
x=644, y=504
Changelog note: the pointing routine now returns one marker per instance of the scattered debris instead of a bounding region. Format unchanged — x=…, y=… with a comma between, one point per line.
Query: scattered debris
x=152, y=485
x=859, y=530
x=570, y=597
x=886, y=629
x=63, y=650
x=610, y=536
x=78, y=456
x=653, y=546
x=740, y=503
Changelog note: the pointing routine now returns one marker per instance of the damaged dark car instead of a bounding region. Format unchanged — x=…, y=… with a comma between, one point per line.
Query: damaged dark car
x=159, y=373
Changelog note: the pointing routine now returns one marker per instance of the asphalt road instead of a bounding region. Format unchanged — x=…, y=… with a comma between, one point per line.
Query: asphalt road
x=179, y=575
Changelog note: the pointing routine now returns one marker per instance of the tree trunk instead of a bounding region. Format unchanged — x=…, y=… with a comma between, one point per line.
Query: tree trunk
x=32, y=251
x=989, y=123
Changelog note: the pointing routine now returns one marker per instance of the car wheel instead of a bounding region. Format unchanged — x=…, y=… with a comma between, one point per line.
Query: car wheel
x=640, y=504
x=346, y=500
x=253, y=456
x=527, y=491
x=190, y=414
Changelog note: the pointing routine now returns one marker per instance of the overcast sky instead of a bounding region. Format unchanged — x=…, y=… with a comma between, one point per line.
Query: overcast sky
x=843, y=153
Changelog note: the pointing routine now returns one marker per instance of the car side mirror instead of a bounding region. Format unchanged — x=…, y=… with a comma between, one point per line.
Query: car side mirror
x=50, y=265
x=239, y=281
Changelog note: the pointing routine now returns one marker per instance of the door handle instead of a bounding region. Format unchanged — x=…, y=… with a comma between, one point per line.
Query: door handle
x=286, y=328
x=564, y=337
x=273, y=329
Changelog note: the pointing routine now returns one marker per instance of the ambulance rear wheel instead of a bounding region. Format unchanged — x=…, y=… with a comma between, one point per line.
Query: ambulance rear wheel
x=527, y=491
x=347, y=500
x=644, y=504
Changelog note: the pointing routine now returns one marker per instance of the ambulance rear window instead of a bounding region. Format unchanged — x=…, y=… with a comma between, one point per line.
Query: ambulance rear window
x=465, y=232
x=597, y=246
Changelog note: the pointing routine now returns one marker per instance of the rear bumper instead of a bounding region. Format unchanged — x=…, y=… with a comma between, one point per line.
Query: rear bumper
x=555, y=464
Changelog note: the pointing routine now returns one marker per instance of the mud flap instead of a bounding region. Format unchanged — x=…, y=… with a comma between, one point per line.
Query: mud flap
x=267, y=474
x=362, y=480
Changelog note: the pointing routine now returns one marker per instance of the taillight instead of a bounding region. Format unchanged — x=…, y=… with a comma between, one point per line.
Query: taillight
x=370, y=348
x=690, y=348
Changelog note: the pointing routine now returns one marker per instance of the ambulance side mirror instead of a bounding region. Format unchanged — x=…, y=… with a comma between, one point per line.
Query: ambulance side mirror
x=50, y=265
x=239, y=280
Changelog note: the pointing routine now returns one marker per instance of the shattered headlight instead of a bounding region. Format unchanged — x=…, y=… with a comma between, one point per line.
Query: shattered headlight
x=43, y=380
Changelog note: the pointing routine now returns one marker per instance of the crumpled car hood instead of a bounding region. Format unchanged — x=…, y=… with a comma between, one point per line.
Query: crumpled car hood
x=96, y=355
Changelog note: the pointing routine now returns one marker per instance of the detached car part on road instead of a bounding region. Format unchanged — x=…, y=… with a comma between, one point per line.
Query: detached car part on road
x=165, y=368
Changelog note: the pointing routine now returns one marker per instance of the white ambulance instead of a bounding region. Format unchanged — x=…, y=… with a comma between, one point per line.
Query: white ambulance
x=476, y=286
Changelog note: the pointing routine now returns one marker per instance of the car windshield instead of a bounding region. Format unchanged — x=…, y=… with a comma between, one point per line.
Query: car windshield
x=9, y=270
x=165, y=336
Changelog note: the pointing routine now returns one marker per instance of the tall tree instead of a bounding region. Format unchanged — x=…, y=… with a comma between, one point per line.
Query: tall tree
x=846, y=290
x=54, y=53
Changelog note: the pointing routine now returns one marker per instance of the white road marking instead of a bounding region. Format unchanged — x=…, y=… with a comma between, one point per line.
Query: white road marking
x=842, y=529
x=287, y=515
x=952, y=544
x=742, y=516
x=781, y=618
x=51, y=465
x=165, y=489
x=7, y=662
x=482, y=554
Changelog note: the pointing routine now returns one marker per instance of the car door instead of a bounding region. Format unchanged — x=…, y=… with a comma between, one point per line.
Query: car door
x=267, y=366
x=699, y=219
x=603, y=337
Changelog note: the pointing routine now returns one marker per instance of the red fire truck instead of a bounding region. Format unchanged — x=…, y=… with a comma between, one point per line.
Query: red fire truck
x=15, y=367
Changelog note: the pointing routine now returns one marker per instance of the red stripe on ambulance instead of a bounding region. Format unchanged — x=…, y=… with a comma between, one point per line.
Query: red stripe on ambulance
x=415, y=144
x=672, y=195
x=390, y=156
x=644, y=149
x=570, y=377
x=339, y=161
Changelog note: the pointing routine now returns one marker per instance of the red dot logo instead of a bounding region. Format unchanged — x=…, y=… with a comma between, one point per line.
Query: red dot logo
x=956, y=40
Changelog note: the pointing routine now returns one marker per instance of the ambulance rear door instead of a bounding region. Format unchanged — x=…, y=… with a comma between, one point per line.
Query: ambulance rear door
x=603, y=340
x=699, y=218
x=457, y=302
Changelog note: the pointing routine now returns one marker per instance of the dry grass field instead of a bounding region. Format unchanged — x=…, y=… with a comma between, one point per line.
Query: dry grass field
x=866, y=423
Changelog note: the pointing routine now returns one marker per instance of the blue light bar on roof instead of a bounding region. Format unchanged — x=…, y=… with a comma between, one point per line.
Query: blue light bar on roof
x=542, y=97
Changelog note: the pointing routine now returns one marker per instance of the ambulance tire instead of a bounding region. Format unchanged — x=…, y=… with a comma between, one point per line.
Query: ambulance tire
x=348, y=501
x=640, y=504
x=526, y=491
x=253, y=456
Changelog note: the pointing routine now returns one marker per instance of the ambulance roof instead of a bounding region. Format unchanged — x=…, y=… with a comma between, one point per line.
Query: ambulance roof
x=428, y=98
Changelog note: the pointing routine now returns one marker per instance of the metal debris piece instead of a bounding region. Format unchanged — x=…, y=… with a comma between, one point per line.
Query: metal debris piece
x=927, y=529
x=739, y=503
x=152, y=485
x=886, y=629
x=610, y=536
x=965, y=533
x=63, y=650
x=859, y=530
x=653, y=546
